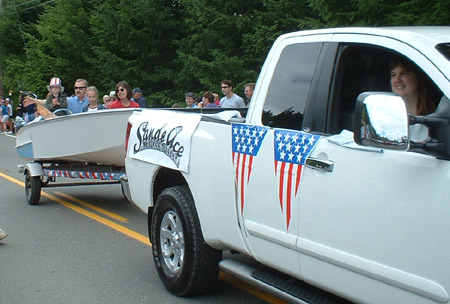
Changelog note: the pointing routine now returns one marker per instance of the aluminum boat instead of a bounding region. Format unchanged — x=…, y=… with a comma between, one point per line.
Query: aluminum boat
x=90, y=137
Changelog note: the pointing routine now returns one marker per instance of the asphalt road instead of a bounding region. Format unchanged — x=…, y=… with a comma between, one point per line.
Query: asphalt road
x=84, y=244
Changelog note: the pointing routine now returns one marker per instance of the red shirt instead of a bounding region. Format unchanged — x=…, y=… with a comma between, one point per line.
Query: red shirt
x=118, y=105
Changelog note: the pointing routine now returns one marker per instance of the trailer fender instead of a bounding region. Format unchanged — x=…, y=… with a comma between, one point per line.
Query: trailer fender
x=34, y=169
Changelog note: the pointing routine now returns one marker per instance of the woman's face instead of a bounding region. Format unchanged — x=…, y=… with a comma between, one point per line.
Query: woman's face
x=121, y=93
x=403, y=81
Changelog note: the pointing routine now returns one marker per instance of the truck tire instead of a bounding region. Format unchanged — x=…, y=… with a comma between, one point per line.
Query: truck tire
x=185, y=263
x=32, y=188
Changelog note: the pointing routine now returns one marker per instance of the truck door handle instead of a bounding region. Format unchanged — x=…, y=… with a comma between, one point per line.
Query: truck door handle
x=321, y=164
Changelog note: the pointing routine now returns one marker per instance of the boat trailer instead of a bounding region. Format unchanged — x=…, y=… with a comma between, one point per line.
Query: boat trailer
x=44, y=174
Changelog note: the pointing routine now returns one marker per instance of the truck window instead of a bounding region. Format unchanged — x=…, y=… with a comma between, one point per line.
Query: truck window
x=361, y=68
x=289, y=89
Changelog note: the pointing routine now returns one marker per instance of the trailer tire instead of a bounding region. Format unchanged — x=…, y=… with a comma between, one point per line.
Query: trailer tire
x=32, y=188
x=185, y=263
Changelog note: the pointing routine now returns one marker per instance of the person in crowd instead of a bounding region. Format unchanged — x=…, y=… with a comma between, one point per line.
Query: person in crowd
x=9, y=124
x=3, y=234
x=409, y=82
x=139, y=98
x=27, y=111
x=77, y=103
x=92, y=95
x=190, y=100
x=4, y=116
x=198, y=101
x=56, y=98
x=106, y=101
x=230, y=99
x=124, y=94
x=208, y=100
x=248, y=91
x=113, y=95
x=216, y=99
x=176, y=106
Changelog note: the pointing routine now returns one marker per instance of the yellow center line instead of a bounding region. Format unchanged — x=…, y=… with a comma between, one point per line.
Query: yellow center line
x=93, y=207
x=128, y=232
x=12, y=179
x=141, y=238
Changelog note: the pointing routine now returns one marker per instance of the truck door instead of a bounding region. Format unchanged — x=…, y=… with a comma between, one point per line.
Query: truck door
x=378, y=216
x=270, y=218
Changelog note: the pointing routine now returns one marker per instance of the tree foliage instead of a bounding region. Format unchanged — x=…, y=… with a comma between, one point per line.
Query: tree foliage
x=169, y=47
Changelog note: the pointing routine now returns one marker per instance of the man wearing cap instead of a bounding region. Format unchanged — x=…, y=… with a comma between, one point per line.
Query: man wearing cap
x=139, y=98
x=190, y=101
x=77, y=103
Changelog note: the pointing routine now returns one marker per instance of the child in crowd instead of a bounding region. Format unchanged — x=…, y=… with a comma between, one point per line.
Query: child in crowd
x=92, y=95
x=56, y=99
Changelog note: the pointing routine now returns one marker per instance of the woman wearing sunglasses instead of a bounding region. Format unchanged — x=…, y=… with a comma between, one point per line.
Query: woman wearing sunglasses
x=124, y=94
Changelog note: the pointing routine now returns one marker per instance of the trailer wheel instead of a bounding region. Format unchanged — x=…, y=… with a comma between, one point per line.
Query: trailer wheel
x=185, y=263
x=32, y=188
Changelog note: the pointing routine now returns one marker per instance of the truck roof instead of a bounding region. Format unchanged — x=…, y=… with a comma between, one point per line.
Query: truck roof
x=409, y=34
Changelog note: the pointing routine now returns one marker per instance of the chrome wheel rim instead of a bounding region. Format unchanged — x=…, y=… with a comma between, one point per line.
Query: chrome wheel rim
x=172, y=241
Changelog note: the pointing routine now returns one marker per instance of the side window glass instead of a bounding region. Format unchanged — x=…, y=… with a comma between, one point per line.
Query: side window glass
x=364, y=68
x=289, y=89
x=360, y=69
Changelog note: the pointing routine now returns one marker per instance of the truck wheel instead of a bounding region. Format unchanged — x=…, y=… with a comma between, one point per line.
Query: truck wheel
x=186, y=264
x=32, y=188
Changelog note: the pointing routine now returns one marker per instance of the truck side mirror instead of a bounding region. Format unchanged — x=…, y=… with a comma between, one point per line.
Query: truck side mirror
x=381, y=121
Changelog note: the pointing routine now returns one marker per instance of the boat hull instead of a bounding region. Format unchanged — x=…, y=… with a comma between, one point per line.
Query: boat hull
x=90, y=137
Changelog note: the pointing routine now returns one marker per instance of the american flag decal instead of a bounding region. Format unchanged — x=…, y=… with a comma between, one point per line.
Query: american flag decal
x=246, y=141
x=292, y=148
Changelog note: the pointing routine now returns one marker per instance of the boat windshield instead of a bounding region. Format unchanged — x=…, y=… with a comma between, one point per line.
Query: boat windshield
x=444, y=49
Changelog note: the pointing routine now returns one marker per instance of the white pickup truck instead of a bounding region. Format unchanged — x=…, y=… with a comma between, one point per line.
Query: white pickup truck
x=317, y=184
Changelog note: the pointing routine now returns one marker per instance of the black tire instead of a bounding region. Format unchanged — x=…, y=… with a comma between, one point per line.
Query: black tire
x=32, y=188
x=185, y=263
x=123, y=192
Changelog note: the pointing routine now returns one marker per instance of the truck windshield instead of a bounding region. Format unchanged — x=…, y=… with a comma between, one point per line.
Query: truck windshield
x=444, y=49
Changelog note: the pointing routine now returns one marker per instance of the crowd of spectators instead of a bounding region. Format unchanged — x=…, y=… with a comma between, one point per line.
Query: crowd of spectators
x=85, y=99
x=211, y=100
